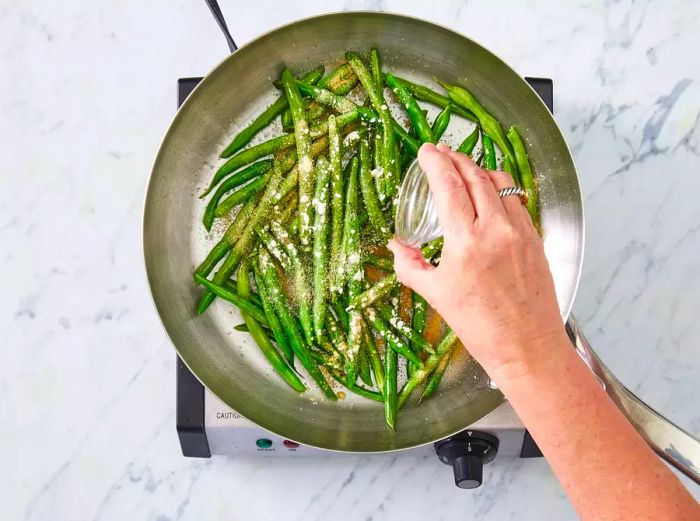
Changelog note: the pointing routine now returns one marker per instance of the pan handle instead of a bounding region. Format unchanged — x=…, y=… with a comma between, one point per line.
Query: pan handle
x=677, y=447
x=219, y=17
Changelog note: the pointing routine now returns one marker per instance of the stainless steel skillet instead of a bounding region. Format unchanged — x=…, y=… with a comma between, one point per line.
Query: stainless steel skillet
x=226, y=361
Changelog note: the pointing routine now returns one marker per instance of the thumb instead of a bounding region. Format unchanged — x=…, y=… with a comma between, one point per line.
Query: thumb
x=411, y=268
x=454, y=207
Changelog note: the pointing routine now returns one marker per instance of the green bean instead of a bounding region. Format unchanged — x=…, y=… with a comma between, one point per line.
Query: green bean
x=328, y=358
x=242, y=303
x=317, y=147
x=232, y=285
x=480, y=159
x=217, y=253
x=276, y=189
x=392, y=339
x=506, y=166
x=393, y=307
x=355, y=333
x=313, y=77
x=275, y=325
x=376, y=97
x=260, y=336
x=410, y=145
x=351, y=236
x=436, y=377
x=489, y=152
x=287, y=122
x=374, y=293
x=230, y=237
x=274, y=247
x=487, y=122
x=289, y=155
x=320, y=245
x=280, y=305
x=375, y=361
x=424, y=93
x=293, y=227
x=397, y=159
x=264, y=119
x=527, y=180
x=301, y=282
x=341, y=313
x=369, y=192
x=341, y=81
x=421, y=374
x=391, y=365
x=243, y=328
x=382, y=263
x=339, y=264
x=320, y=358
x=314, y=113
x=357, y=389
x=467, y=146
x=273, y=146
x=237, y=179
x=376, y=68
x=324, y=343
x=304, y=161
x=256, y=152
x=418, y=316
x=281, y=145
x=336, y=101
x=377, y=171
x=415, y=113
x=363, y=368
x=384, y=286
x=337, y=336
x=335, y=157
x=412, y=132
x=247, y=156
x=441, y=122
x=405, y=161
x=353, y=265
x=241, y=195
x=408, y=141
x=397, y=323
x=366, y=393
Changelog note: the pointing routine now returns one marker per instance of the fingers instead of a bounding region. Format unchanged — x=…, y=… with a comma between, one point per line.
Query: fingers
x=411, y=267
x=514, y=207
x=454, y=208
x=483, y=195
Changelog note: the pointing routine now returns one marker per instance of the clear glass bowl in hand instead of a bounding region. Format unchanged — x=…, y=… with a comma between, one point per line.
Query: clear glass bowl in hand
x=416, y=216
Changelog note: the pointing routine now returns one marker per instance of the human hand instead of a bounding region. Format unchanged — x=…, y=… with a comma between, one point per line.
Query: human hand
x=492, y=285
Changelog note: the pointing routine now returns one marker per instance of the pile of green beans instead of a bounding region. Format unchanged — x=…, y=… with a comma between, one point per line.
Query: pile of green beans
x=308, y=214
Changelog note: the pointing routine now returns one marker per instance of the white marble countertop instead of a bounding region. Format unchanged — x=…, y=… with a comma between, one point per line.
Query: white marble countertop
x=87, y=386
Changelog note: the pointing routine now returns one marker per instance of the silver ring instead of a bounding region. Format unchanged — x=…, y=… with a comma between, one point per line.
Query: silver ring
x=513, y=190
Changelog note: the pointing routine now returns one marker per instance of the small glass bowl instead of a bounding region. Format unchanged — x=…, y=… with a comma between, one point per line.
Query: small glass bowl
x=416, y=216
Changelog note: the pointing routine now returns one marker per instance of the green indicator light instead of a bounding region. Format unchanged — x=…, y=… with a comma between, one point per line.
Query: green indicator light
x=264, y=443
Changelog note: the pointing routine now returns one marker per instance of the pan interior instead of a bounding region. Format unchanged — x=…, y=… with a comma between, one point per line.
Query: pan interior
x=227, y=361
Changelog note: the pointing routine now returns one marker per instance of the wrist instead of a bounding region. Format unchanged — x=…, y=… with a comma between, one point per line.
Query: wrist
x=528, y=357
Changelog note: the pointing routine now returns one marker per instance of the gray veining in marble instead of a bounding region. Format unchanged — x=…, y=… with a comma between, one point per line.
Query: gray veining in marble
x=87, y=381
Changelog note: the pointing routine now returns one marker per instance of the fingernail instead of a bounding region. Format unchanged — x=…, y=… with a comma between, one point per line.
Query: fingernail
x=427, y=147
